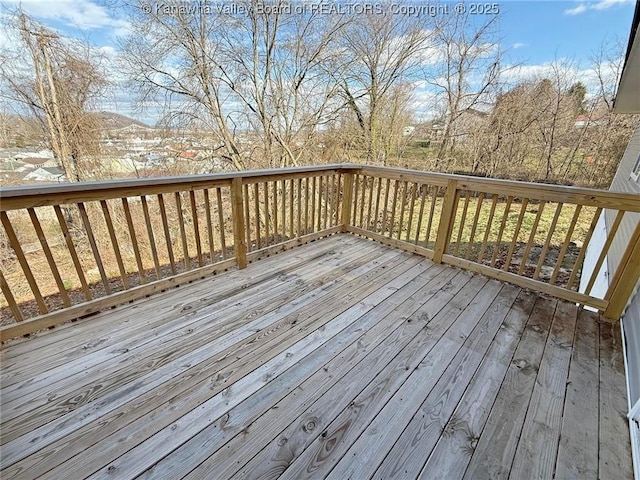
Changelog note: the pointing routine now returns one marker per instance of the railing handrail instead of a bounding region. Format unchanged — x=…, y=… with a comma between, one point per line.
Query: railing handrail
x=592, y=197
x=26, y=196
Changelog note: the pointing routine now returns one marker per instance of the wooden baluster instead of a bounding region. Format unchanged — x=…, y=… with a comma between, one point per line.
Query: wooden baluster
x=207, y=213
x=283, y=209
x=514, y=242
x=547, y=242
x=392, y=221
x=336, y=203
x=72, y=251
x=265, y=197
x=565, y=244
x=247, y=219
x=223, y=243
x=299, y=204
x=474, y=225
x=275, y=212
x=319, y=226
x=423, y=197
x=239, y=239
x=183, y=232
x=403, y=203
x=196, y=226
x=604, y=250
x=291, y=195
x=256, y=207
x=356, y=185
x=115, y=244
x=326, y=203
x=487, y=231
x=66, y=301
x=134, y=241
x=11, y=301
x=22, y=259
x=583, y=250
x=532, y=235
x=367, y=226
x=463, y=219
x=374, y=226
x=383, y=230
x=167, y=233
x=313, y=205
x=414, y=187
x=503, y=223
x=152, y=241
x=306, y=205
x=94, y=247
x=432, y=209
x=362, y=202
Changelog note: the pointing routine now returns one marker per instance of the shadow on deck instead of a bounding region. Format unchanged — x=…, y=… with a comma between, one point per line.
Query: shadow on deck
x=342, y=358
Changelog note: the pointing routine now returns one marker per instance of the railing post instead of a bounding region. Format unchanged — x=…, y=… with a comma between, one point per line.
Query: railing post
x=239, y=241
x=447, y=218
x=347, y=199
x=624, y=279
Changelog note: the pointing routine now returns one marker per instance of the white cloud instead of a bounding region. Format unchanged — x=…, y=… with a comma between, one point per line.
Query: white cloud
x=83, y=14
x=600, y=5
x=576, y=10
x=604, y=4
x=518, y=45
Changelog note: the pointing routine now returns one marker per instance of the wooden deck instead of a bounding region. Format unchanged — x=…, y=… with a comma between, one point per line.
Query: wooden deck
x=342, y=358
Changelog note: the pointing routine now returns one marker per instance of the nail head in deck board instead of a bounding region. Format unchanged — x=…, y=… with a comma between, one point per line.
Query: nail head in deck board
x=493, y=455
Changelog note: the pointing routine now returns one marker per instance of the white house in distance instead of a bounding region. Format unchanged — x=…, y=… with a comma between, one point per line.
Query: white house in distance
x=627, y=180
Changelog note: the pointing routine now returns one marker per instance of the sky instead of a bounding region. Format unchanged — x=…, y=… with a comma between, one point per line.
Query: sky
x=532, y=33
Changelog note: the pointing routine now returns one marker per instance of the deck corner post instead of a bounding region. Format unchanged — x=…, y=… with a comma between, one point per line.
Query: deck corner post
x=624, y=279
x=447, y=219
x=347, y=200
x=239, y=241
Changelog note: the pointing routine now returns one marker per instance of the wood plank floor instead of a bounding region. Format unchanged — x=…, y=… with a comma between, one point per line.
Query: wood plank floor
x=342, y=358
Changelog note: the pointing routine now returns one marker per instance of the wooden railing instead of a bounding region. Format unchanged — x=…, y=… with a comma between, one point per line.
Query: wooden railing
x=70, y=250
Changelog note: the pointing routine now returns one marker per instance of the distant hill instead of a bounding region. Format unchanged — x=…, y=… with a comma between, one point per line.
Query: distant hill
x=115, y=121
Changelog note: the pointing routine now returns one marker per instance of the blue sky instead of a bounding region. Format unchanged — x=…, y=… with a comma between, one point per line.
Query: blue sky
x=533, y=33
x=543, y=29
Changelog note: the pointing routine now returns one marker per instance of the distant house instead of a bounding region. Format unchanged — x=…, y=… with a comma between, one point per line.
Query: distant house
x=34, y=162
x=627, y=180
x=47, y=174
x=586, y=121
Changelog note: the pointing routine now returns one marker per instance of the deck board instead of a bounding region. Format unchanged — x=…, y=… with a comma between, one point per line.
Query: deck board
x=342, y=358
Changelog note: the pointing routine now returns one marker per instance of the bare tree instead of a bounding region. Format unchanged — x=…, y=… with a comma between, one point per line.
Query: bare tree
x=469, y=73
x=382, y=51
x=58, y=83
x=262, y=72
